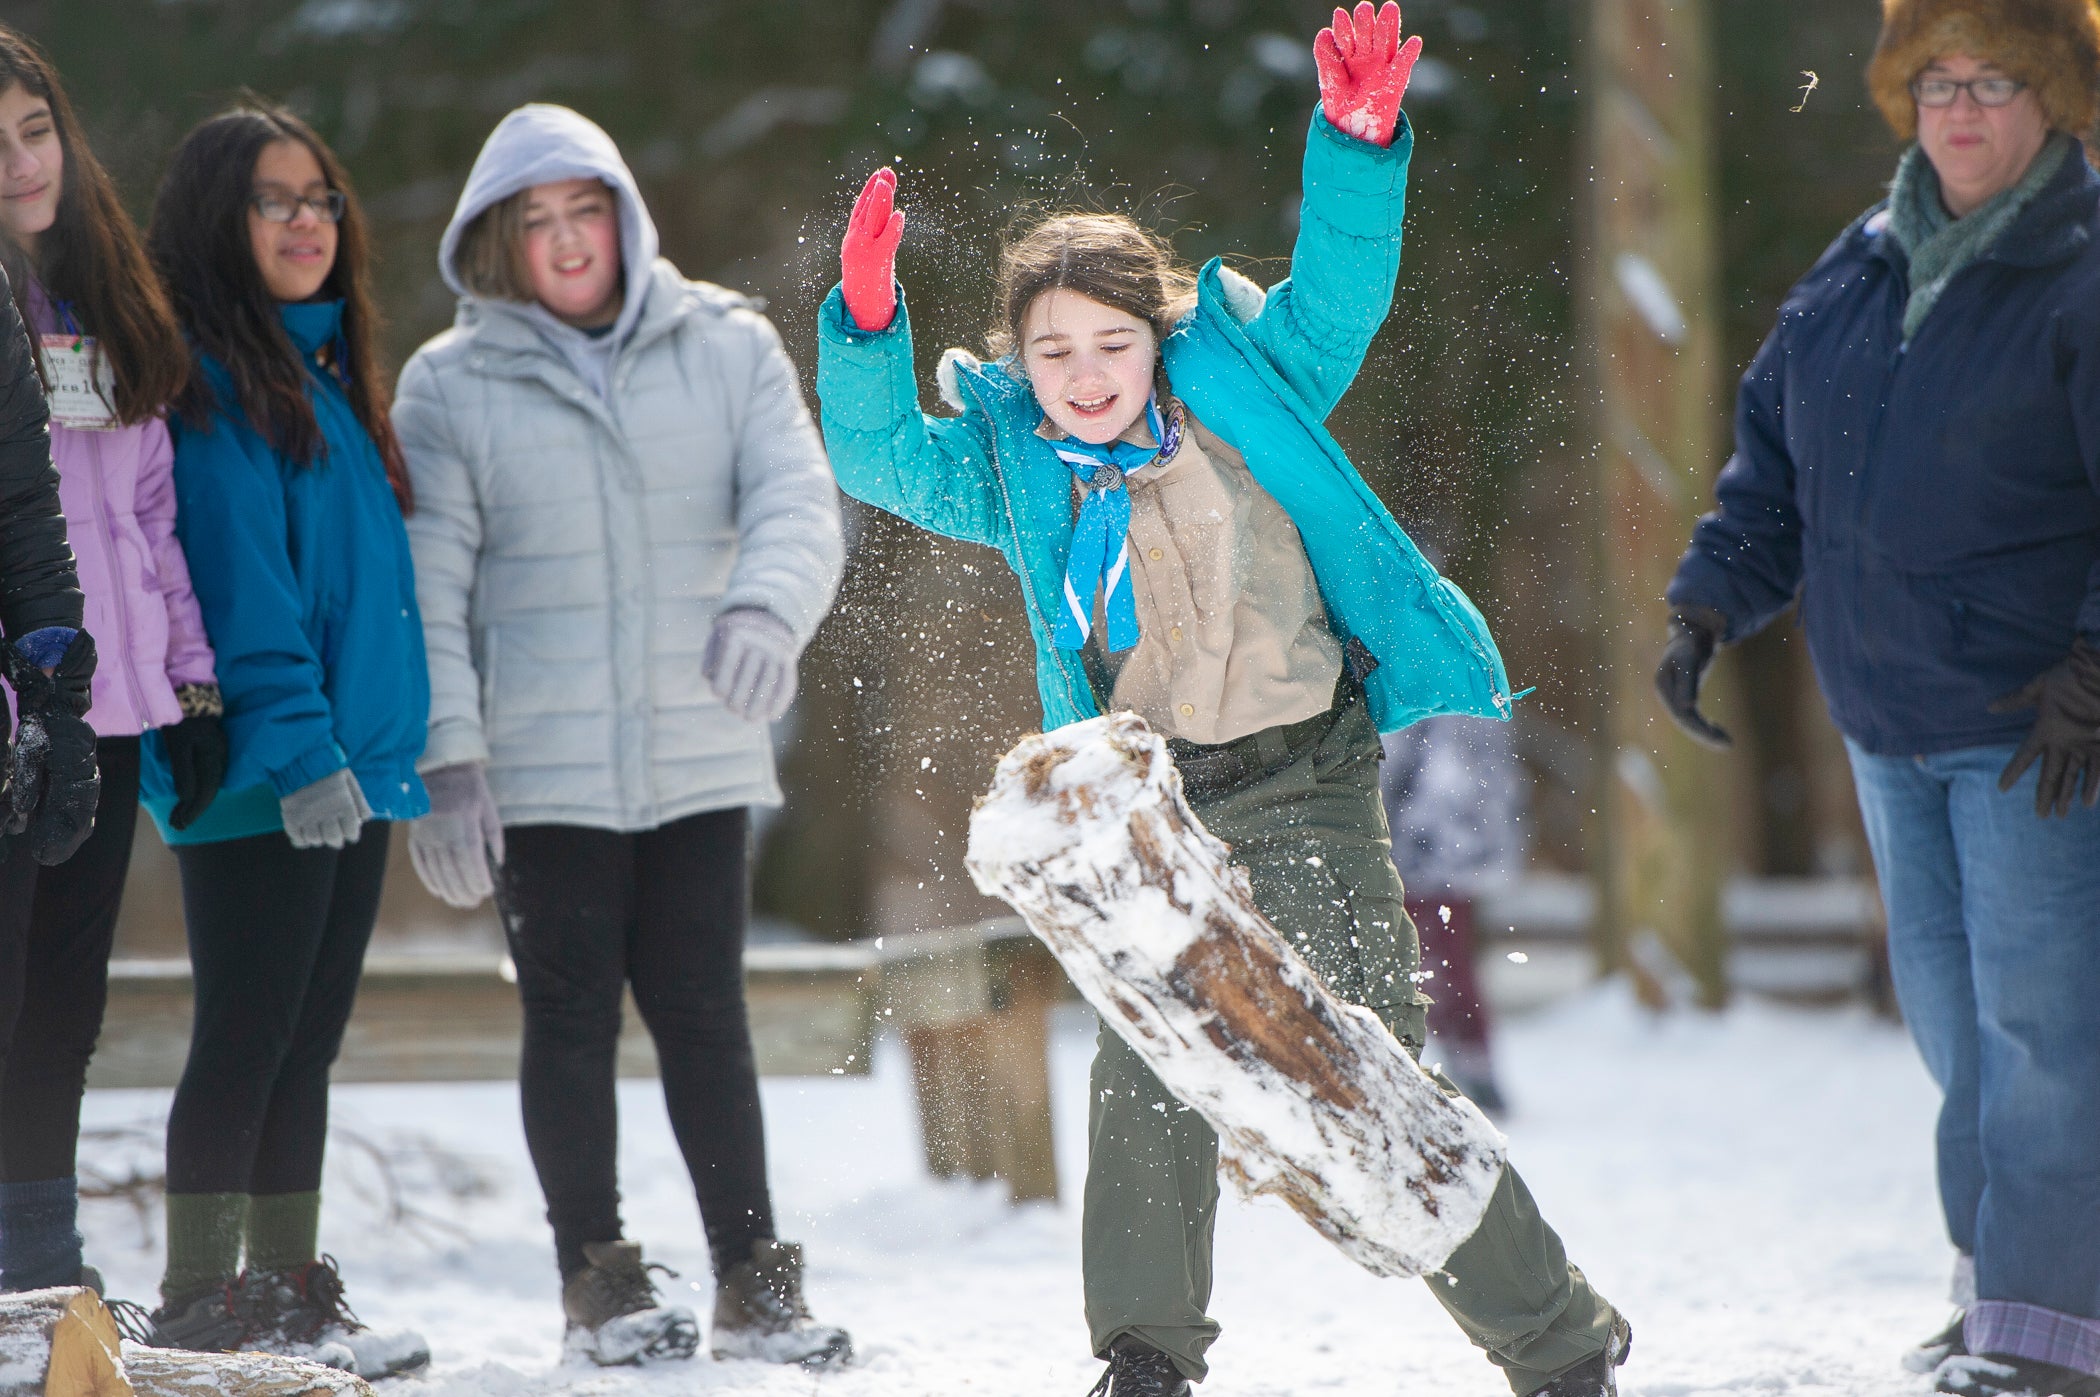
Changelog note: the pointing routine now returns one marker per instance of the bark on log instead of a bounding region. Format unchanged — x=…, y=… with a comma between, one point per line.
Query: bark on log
x=64, y=1343
x=164, y=1372
x=1086, y=833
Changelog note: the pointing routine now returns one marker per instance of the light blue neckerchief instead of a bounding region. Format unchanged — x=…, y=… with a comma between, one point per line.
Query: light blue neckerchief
x=1101, y=537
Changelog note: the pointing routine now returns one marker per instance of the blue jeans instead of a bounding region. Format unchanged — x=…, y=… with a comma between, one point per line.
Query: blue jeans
x=1994, y=939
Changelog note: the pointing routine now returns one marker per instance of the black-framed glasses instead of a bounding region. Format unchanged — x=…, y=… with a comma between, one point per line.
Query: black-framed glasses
x=1986, y=92
x=283, y=208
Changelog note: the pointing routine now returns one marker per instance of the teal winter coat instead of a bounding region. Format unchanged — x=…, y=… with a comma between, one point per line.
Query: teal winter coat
x=302, y=573
x=1262, y=371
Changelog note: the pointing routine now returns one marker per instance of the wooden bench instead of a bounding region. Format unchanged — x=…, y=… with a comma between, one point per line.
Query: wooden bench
x=971, y=1005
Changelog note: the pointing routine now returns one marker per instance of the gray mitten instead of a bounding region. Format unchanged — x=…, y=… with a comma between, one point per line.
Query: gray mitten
x=461, y=839
x=330, y=812
x=750, y=663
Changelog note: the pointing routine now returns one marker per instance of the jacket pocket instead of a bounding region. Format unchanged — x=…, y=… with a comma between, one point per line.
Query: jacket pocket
x=1988, y=625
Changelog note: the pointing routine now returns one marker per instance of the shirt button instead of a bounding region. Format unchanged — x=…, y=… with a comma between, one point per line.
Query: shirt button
x=1156, y=554
x=1188, y=710
x=1175, y=633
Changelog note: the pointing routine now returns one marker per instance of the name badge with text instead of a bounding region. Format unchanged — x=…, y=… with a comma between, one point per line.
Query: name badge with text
x=83, y=388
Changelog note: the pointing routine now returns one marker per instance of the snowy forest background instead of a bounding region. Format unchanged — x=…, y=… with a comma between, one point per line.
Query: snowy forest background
x=750, y=126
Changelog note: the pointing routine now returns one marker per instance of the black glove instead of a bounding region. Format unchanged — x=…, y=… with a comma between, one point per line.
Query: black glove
x=52, y=783
x=197, y=760
x=1695, y=634
x=2065, y=737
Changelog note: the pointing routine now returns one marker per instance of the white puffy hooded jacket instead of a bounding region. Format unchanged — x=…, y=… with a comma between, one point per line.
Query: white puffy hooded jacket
x=584, y=510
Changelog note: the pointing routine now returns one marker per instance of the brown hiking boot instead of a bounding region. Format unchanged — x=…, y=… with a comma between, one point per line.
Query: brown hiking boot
x=760, y=1313
x=615, y=1314
x=301, y=1313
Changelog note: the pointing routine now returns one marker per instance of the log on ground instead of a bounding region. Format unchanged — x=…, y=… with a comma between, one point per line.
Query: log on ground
x=64, y=1342
x=161, y=1372
x=60, y=1342
x=1086, y=833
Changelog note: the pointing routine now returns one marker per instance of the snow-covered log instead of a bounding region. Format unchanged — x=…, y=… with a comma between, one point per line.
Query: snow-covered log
x=162, y=1372
x=1086, y=833
x=64, y=1343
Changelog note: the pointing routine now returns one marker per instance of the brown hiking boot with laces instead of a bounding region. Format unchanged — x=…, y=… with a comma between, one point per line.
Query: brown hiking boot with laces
x=760, y=1313
x=301, y=1313
x=615, y=1314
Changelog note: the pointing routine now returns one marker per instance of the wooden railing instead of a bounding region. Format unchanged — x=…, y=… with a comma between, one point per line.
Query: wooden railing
x=971, y=1004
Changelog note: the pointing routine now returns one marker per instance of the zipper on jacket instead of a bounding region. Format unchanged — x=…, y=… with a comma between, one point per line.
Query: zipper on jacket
x=540, y=365
x=1867, y=461
x=1013, y=525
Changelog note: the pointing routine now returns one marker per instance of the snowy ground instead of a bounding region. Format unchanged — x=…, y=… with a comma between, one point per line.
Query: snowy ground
x=1754, y=1190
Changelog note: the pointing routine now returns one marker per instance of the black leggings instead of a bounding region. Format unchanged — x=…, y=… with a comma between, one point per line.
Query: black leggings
x=588, y=911
x=277, y=942
x=56, y=928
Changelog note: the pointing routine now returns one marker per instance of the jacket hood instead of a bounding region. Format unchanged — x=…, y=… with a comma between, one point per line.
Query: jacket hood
x=540, y=143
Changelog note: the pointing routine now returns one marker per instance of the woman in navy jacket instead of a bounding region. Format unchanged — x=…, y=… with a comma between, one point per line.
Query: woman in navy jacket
x=1918, y=461
x=290, y=493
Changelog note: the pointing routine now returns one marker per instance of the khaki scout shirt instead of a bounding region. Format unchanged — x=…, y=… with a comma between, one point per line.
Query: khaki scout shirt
x=1232, y=637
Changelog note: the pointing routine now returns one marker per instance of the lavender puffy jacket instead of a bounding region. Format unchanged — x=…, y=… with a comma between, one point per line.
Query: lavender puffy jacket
x=118, y=492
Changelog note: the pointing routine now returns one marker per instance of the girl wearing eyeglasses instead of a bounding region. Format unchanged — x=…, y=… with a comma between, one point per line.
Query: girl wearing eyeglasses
x=290, y=493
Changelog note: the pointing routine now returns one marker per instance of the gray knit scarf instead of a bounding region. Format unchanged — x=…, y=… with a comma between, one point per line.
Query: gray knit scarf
x=1939, y=244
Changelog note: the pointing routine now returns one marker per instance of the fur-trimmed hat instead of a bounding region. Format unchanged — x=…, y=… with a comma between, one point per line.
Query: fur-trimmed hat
x=2051, y=45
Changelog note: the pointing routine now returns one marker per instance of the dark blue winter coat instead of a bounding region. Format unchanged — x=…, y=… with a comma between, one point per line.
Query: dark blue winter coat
x=303, y=575
x=1936, y=507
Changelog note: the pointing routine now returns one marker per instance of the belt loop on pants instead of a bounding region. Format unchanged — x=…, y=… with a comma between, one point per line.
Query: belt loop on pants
x=1272, y=749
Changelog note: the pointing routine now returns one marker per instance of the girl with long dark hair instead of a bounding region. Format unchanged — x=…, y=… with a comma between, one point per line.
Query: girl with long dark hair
x=107, y=352
x=291, y=494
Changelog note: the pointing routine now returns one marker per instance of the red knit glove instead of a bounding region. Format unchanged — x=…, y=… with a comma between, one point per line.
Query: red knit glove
x=1364, y=70
x=868, y=255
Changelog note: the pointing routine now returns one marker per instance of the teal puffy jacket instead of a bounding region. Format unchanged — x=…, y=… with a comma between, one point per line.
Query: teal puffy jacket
x=302, y=573
x=1262, y=372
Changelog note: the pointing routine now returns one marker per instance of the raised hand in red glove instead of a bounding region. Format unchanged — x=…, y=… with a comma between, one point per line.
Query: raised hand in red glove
x=868, y=255
x=1364, y=70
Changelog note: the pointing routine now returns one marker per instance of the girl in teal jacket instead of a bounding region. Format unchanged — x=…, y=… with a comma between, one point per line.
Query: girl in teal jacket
x=290, y=493
x=1149, y=453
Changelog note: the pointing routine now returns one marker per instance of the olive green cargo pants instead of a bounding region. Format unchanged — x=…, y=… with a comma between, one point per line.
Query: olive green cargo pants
x=1300, y=808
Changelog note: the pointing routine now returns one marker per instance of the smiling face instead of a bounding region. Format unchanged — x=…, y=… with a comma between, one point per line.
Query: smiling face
x=572, y=251
x=1978, y=151
x=32, y=166
x=295, y=258
x=1090, y=364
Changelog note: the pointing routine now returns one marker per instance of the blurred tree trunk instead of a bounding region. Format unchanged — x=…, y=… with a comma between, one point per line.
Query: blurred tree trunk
x=1666, y=812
